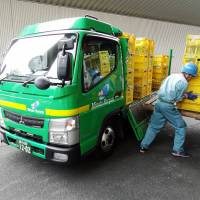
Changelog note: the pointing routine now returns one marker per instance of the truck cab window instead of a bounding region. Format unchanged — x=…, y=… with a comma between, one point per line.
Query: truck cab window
x=99, y=60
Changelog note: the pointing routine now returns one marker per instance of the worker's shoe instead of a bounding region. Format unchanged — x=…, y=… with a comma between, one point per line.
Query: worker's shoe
x=180, y=154
x=143, y=150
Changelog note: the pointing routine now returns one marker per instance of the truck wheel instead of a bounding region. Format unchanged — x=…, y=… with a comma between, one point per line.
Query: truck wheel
x=107, y=140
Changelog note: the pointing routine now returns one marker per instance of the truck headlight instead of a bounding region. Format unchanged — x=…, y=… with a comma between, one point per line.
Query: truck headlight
x=64, y=131
x=2, y=124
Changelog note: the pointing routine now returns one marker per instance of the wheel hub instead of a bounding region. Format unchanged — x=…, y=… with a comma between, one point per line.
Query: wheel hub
x=108, y=138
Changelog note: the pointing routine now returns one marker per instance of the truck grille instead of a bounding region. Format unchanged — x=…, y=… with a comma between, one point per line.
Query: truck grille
x=28, y=136
x=28, y=121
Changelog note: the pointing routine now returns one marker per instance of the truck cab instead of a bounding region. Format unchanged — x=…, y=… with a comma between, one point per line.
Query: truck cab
x=62, y=89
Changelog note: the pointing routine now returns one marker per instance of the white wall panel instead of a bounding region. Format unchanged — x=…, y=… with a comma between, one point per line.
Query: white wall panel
x=6, y=25
x=14, y=15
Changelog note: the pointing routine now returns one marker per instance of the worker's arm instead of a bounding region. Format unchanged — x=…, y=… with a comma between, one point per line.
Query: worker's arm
x=180, y=91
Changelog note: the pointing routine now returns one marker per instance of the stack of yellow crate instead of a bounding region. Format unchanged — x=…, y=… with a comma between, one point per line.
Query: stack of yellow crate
x=144, y=50
x=192, y=54
x=130, y=66
x=160, y=70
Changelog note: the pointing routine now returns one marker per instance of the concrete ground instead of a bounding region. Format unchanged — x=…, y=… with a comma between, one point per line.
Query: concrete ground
x=125, y=175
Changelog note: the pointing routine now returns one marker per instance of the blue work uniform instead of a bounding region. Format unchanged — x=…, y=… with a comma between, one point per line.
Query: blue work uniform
x=171, y=91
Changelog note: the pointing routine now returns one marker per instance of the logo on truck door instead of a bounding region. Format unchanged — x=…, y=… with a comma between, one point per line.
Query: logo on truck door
x=104, y=92
x=103, y=96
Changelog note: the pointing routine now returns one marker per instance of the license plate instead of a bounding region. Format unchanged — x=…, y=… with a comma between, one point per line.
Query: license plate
x=24, y=146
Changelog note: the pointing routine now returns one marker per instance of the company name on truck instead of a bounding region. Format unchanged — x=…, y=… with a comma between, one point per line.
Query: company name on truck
x=34, y=107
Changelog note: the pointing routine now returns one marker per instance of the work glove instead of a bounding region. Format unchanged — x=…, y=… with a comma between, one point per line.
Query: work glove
x=191, y=96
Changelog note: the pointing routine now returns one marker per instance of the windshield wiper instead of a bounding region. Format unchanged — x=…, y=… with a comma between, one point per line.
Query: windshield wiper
x=24, y=84
x=3, y=78
x=31, y=79
x=2, y=70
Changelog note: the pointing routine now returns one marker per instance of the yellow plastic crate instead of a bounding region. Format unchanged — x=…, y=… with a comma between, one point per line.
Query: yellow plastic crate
x=192, y=47
x=129, y=95
x=138, y=82
x=190, y=51
x=149, y=75
x=130, y=78
x=160, y=69
x=142, y=41
x=160, y=60
x=105, y=69
x=141, y=73
x=151, y=62
x=155, y=87
x=187, y=59
x=140, y=67
x=161, y=64
x=104, y=56
x=194, y=86
x=159, y=76
x=139, y=59
x=194, y=81
x=190, y=105
x=193, y=40
x=151, y=47
x=197, y=53
x=140, y=92
x=131, y=42
x=156, y=84
x=142, y=46
x=130, y=62
x=149, y=88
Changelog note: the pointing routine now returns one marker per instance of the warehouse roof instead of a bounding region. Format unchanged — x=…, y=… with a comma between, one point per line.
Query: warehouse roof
x=179, y=11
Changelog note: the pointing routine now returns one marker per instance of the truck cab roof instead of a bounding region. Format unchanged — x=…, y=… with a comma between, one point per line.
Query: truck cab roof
x=78, y=23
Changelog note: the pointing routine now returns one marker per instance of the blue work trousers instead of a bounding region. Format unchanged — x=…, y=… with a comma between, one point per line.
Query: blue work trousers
x=164, y=112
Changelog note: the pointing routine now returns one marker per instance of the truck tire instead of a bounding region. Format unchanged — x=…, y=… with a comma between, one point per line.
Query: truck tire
x=107, y=140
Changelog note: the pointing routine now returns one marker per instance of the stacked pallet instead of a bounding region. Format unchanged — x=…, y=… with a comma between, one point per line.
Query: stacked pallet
x=144, y=51
x=160, y=70
x=192, y=54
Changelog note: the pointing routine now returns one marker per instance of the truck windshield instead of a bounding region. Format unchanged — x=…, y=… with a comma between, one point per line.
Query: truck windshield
x=35, y=56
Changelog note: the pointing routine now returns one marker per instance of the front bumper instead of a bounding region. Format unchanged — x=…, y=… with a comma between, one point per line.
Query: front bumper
x=53, y=153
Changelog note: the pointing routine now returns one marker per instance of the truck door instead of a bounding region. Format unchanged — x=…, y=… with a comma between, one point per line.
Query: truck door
x=101, y=85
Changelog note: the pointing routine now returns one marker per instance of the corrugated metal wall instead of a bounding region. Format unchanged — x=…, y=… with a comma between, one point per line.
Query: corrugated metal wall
x=16, y=14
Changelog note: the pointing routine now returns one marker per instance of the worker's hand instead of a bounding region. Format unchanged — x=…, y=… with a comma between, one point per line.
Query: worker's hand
x=191, y=96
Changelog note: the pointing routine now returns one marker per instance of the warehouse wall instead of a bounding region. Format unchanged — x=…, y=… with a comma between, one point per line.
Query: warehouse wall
x=16, y=14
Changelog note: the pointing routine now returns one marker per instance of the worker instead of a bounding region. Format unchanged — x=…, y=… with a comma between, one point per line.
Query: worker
x=172, y=90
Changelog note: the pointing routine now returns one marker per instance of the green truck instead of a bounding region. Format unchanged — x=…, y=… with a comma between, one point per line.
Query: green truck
x=63, y=90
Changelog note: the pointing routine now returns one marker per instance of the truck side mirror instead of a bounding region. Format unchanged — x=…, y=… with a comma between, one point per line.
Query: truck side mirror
x=68, y=43
x=64, y=66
